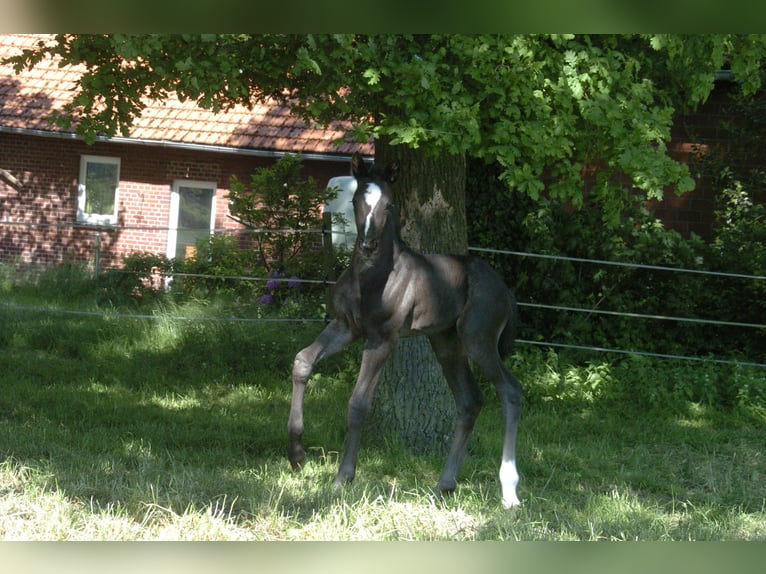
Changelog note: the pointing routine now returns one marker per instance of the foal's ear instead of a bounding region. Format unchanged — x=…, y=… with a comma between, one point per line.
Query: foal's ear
x=392, y=171
x=358, y=167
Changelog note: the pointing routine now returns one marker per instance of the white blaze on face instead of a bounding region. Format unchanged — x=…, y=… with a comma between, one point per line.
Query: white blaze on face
x=371, y=197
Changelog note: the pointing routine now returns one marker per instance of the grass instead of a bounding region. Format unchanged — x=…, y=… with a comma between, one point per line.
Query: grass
x=136, y=429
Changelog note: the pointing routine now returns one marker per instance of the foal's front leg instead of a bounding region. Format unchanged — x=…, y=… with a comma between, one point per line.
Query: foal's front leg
x=373, y=359
x=332, y=339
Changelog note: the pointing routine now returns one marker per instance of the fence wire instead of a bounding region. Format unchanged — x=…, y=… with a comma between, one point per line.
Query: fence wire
x=617, y=263
x=328, y=282
x=642, y=316
x=154, y=317
x=628, y=314
x=160, y=228
x=641, y=353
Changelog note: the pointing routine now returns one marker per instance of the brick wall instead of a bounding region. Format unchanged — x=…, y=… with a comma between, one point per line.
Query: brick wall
x=38, y=217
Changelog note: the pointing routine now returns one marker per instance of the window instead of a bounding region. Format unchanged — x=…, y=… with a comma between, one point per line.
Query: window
x=192, y=216
x=97, y=190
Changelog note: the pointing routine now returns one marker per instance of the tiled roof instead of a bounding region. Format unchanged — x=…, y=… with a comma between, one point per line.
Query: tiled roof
x=28, y=99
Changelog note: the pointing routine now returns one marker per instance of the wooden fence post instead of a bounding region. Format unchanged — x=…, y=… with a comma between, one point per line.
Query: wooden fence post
x=97, y=256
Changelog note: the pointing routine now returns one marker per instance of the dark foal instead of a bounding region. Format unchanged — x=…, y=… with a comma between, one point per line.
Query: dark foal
x=389, y=291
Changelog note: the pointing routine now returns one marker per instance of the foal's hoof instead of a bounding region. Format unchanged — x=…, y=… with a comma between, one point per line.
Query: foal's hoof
x=441, y=495
x=511, y=502
x=441, y=491
x=297, y=458
x=340, y=481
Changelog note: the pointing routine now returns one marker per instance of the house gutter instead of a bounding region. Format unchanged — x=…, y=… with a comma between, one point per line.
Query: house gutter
x=343, y=158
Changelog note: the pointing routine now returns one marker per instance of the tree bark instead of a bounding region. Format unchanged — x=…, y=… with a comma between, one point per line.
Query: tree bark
x=413, y=404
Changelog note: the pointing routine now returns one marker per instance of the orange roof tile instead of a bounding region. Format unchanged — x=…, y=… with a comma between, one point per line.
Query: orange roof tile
x=28, y=99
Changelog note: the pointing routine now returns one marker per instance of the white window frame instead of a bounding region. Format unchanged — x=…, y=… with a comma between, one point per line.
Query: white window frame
x=175, y=204
x=96, y=218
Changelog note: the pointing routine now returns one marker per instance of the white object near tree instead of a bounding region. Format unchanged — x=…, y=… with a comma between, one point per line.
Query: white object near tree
x=343, y=233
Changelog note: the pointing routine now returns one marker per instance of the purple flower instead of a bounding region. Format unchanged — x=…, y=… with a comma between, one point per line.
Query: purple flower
x=293, y=282
x=265, y=300
x=272, y=284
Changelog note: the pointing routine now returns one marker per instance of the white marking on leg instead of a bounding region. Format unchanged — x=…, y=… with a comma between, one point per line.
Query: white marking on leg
x=372, y=196
x=509, y=478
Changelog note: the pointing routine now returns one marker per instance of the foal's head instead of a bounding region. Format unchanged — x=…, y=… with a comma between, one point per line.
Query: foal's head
x=373, y=204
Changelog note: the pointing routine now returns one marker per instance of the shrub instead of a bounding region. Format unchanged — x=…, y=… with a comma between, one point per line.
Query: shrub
x=280, y=199
x=142, y=278
x=217, y=266
x=7, y=277
x=739, y=247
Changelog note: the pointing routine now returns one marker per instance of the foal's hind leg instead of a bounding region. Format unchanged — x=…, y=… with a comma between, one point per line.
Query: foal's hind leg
x=481, y=343
x=451, y=354
x=332, y=339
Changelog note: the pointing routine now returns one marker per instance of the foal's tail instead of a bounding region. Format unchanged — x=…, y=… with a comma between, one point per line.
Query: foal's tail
x=508, y=336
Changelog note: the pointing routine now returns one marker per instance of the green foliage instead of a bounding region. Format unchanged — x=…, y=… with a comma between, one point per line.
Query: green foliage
x=553, y=377
x=220, y=269
x=741, y=235
x=141, y=277
x=646, y=384
x=7, y=277
x=718, y=386
x=553, y=228
x=735, y=171
x=66, y=280
x=612, y=224
x=217, y=266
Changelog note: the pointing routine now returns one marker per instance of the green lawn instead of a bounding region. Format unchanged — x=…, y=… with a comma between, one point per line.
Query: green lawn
x=128, y=429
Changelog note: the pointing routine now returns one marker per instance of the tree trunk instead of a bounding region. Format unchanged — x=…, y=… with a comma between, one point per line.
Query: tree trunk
x=413, y=403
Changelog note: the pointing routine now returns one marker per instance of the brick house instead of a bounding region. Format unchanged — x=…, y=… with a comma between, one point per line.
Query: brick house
x=156, y=190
